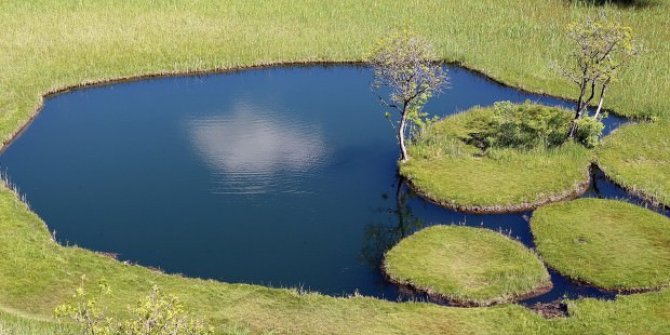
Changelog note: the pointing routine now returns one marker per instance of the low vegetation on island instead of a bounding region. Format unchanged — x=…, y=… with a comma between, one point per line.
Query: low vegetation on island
x=501, y=158
x=467, y=266
x=606, y=243
x=634, y=157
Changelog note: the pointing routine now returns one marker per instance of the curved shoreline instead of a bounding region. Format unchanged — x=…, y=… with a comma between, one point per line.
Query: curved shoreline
x=638, y=193
x=237, y=68
x=578, y=191
x=442, y=299
x=586, y=283
x=622, y=291
x=542, y=289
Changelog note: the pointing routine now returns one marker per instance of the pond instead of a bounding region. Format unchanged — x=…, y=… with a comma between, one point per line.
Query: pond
x=276, y=176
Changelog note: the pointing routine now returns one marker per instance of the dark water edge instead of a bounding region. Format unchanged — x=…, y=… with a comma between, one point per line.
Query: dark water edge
x=282, y=177
x=517, y=226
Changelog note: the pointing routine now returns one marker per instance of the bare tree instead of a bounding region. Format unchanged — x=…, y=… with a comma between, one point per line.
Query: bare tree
x=404, y=65
x=602, y=48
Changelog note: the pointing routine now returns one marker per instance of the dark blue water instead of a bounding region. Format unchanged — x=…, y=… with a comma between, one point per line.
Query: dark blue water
x=282, y=177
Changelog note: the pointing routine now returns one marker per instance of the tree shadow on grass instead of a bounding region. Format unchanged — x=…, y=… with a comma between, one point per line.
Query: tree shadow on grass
x=633, y=4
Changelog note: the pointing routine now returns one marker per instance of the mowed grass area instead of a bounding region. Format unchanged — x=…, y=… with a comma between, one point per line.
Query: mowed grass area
x=447, y=170
x=638, y=157
x=49, y=44
x=468, y=266
x=610, y=244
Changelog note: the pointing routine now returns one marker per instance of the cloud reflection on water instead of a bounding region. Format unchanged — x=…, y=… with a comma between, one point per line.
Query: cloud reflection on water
x=248, y=146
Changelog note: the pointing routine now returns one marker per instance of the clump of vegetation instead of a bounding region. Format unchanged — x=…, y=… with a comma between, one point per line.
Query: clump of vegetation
x=469, y=266
x=602, y=47
x=610, y=244
x=456, y=174
x=526, y=126
x=589, y=131
x=529, y=126
x=404, y=64
x=156, y=314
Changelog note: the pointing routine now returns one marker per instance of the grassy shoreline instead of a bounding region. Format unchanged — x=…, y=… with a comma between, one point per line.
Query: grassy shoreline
x=634, y=157
x=42, y=274
x=609, y=244
x=54, y=44
x=446, y=170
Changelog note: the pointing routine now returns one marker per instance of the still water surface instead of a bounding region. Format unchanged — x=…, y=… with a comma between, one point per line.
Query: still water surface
x=281, y=177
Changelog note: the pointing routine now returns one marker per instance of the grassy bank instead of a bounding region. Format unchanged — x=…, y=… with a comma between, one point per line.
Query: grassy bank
x=16, y=323
x=458, y=175
x=467, y=266
x=45, y=45
x=37, y=274
x=609, y=244
x=637, y=157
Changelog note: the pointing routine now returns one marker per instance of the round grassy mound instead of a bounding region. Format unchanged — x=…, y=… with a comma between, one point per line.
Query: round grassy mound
x=447, y=170
x=635, y=156
x=610, y=244
x=467, y=266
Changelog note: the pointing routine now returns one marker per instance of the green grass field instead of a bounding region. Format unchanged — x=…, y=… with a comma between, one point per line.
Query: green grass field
x=469, y=266
x=606, y=243
x=447, y=170
x=46, y=45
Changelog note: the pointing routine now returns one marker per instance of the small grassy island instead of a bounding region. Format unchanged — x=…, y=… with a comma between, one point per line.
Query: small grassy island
x=467, y=266
x=455, y=164
x=632, y=158
x=610, y=244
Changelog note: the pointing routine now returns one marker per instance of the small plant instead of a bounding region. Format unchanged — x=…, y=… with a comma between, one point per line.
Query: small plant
x=589, y=131
x=160, y=314
x=86, y=312
x=156, y=314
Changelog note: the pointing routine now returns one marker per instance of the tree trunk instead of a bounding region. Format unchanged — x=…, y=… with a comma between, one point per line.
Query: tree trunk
x=404, y=157
x=573, y=129
x=602, y=98
x=573, y=125
x=582, y=106
x=578, y=109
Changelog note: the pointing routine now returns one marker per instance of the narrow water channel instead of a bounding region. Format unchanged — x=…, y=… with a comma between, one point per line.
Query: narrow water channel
x=277, y=176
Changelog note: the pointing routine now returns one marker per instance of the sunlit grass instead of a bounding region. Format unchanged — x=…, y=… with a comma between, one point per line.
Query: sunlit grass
x=610, y=244
x=638, y=157
x=469, y=266
x=447, y=170
x=49, y=44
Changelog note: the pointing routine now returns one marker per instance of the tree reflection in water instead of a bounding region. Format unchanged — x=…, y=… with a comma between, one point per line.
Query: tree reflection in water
x=379, y=237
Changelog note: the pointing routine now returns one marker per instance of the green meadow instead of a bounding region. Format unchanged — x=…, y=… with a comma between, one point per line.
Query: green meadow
x=50, y=45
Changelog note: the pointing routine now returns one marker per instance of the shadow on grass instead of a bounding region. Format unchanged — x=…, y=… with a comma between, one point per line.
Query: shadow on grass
x=633, y=4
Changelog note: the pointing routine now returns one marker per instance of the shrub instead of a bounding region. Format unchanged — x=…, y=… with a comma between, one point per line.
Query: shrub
x=525, y=126
x=156, y=314
x=589, y=130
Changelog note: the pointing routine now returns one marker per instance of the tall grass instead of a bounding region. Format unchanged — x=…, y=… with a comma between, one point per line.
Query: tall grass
x=51, y=44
